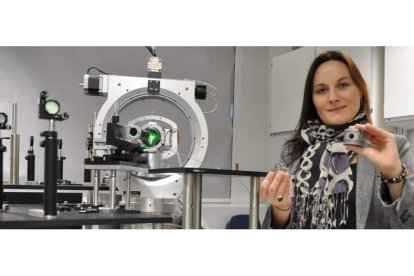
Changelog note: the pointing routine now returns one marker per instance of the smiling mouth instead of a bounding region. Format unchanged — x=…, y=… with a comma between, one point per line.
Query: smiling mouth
x=336, y=109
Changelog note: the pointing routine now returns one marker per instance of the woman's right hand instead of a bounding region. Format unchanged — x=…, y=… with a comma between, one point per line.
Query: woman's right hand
x=274, y=187
x=275, y=190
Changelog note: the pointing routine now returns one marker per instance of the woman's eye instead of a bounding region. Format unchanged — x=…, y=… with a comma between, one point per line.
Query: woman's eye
x=343, y=85
x=320, y=90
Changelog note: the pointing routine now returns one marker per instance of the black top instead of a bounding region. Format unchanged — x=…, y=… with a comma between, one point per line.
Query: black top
x=352, y=201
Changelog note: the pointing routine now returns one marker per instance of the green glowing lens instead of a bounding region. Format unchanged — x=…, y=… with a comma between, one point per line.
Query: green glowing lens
x=52, y=107
x=151, y=137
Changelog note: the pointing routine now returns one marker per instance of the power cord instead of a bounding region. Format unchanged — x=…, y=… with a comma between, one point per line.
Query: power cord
x=151, y=50
x=97, y=69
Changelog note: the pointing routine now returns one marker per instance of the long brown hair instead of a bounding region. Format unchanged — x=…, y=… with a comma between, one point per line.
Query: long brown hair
x=295, y=146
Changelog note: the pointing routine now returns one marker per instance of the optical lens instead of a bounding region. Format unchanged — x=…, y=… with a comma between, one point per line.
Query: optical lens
x=52, y=107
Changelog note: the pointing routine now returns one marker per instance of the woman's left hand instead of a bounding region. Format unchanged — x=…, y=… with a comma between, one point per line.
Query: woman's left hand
x=382, y=153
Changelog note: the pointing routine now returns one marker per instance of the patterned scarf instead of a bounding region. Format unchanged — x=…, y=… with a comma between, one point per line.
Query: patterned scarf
x=324, y=178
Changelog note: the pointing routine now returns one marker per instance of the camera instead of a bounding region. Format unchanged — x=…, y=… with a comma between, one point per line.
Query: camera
x=353, y=136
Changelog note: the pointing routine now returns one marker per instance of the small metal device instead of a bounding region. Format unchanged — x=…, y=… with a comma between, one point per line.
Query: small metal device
x=354, y=136
x=279, y=167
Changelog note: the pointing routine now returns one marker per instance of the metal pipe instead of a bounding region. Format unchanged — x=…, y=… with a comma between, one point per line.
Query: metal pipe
x=96, y=185
x=254, y=202
x=51, y=125
x=14, y=118
x=197, y=201
x=89, y=197
x=112, y=189
x=128, y=190
x=188, y=186
x=14, y=149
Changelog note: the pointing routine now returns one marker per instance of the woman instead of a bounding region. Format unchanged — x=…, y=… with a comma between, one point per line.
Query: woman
x=330, y=184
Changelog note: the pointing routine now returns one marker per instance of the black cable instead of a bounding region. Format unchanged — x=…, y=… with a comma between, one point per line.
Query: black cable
x=151, y=50
x=97, y=69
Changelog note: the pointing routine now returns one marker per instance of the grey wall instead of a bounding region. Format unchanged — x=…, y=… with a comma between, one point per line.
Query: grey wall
x=25, y=71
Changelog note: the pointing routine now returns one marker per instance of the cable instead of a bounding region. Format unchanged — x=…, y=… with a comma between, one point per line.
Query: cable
x=235, y=177
x=172, y=130
x=215, y=107
x=187, y=157
x=151, y=50
x=179, y=160
x=97, y=69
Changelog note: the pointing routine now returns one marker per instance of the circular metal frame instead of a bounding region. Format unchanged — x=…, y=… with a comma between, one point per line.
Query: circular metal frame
x=123, y=91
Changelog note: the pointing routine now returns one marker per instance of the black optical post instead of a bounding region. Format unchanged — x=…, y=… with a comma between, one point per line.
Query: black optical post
x=3, y=125
x=49, y=110
x=30, y=157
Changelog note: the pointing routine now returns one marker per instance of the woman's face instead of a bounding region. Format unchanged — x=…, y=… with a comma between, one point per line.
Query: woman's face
x=336, y=97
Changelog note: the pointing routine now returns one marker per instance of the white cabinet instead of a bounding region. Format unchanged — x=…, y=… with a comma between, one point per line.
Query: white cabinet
x=288, y=83
x=399, y=87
